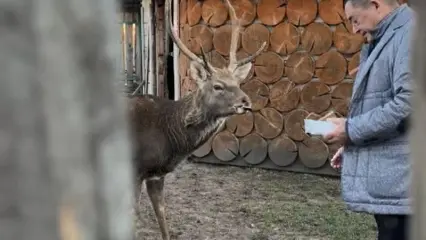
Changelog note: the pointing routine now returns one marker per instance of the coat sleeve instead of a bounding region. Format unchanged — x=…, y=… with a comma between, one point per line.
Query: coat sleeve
x=382, y=122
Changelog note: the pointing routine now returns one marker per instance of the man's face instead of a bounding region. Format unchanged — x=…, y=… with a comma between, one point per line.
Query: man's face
x=364, y=19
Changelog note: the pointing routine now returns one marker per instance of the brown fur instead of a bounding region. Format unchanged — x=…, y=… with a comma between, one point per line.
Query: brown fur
x=163, y=135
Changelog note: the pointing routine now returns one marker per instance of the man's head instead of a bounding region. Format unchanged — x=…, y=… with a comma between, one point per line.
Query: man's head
x=364, y=15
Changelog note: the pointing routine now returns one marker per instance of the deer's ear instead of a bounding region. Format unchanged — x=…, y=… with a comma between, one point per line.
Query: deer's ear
x=198, y=72
x=241, y=72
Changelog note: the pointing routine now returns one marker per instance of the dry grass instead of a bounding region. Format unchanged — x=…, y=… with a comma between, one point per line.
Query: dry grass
x=222, y=202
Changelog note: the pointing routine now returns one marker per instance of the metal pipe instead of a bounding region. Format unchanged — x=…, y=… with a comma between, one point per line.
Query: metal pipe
x=150, y=66
x=144, y=78
x=153, y=24
x=166, y=55
x=176, y=52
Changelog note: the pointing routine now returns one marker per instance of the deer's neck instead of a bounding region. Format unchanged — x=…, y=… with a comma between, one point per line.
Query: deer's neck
x=186, y=139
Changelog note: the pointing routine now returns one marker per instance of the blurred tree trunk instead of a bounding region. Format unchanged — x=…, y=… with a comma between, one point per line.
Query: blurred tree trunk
x=418, y=133
x=65, y=168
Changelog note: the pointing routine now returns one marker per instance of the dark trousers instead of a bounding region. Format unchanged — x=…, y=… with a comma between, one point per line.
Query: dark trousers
x=392, y=227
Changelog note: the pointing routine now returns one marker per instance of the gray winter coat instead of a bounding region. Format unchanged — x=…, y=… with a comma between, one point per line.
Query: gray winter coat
x=376, y=162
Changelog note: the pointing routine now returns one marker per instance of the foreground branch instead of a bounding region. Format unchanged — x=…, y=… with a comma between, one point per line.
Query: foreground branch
x=418, y=134
x=63, y=135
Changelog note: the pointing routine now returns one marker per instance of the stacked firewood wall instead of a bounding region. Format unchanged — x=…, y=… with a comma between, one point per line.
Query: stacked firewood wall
x=306, y=71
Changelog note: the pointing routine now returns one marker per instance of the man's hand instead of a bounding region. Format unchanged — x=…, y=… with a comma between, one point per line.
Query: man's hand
x=336, y=161
x=339, y=134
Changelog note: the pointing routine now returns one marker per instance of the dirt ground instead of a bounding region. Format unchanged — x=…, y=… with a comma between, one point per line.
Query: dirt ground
x=231, y=203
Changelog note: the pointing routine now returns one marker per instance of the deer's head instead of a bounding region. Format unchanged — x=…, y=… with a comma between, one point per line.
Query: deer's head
x=219, y=93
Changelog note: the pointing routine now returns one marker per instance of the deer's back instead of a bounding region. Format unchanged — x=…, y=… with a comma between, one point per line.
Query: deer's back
x=145, y=109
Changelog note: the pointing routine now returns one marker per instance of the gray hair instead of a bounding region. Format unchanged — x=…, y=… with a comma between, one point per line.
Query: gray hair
x=364, y=3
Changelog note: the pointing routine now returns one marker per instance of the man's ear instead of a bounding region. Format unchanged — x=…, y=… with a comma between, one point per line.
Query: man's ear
x=198, y=73
x=375, y=3
x=241, y=72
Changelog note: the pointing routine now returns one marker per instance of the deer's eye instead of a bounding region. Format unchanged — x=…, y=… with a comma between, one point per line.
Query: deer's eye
x=218, y=87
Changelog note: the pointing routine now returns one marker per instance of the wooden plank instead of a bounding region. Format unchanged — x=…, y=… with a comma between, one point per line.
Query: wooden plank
x=63, y=138
x=160, y=48
x=418, y=133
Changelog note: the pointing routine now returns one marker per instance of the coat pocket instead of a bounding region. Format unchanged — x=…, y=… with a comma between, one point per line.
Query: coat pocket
x=389, y=172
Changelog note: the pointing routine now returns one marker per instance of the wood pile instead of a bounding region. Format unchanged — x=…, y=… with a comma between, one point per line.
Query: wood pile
x=306, y=72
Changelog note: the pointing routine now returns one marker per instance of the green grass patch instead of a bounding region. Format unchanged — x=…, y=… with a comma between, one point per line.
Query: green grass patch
x=300, y=206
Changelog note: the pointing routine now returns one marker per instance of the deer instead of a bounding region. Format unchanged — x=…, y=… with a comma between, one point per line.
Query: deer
x=164, y=132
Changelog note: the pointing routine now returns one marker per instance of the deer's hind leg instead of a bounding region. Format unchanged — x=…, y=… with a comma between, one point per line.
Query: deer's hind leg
x=155, y=189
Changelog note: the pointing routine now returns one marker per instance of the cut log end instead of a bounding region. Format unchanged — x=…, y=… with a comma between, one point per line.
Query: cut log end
x=342, y=91
x=345, y=41
x=245, y=11
x=241, y=124
x=302, y=12
x=216, y=59
x=269, y=67
x=200, y=36
x=258, y=93
x=284, y=96
x=271, y=12
x=331, y=67
x=253, y=38
x=300, y=67
x=222, y=39
x=331, y=11
x=341, y=96
x=282, y=151
x=285, y=38
x=294, y=124
x=317, y=38
x=253, y=149
x=313, y=152
x=316, y=97
x=183, y=8
x=214, y=12
x=193, y=12
x=225, y=146
x=268, y=123
x=204, y=149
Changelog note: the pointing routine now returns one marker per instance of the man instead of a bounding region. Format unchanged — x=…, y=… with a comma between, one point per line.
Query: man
x=375, y=152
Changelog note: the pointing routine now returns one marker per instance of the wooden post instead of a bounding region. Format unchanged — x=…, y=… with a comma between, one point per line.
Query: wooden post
x=418, y=134
x=64, y=151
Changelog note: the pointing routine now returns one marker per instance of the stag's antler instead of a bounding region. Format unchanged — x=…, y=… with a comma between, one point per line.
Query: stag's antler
x=233, y=63
x=234, y=37
x=192, y=56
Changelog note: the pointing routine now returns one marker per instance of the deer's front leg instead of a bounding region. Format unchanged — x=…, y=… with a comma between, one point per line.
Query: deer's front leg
x=155, y=189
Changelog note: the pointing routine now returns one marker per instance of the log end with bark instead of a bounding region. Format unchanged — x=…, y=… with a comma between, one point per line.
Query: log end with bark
x=225, y=146
x=302, y=12
x=271, y=12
